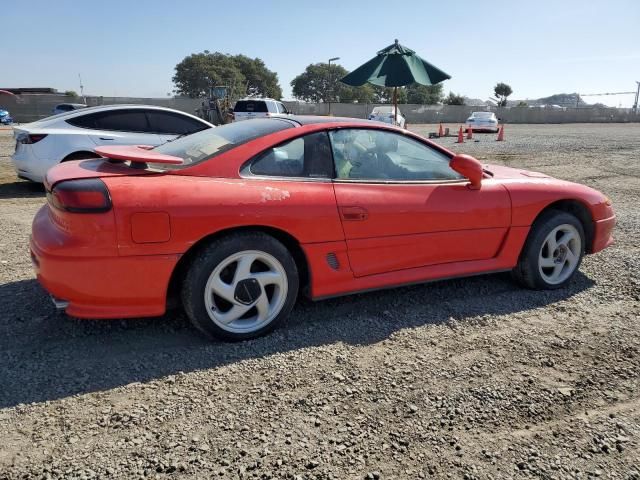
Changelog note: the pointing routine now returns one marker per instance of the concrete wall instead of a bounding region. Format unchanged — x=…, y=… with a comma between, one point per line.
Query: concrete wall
x=27, y=108
x=459, y=113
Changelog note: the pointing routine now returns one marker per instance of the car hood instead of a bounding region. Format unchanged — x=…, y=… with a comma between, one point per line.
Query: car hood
x=502, y=172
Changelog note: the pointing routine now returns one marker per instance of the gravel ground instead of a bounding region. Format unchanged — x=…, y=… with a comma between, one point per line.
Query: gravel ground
x=471, y=378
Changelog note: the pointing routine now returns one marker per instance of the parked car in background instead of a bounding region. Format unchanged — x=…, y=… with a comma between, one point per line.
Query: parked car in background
x=5, y=117
x=235, y=221
x=249, y=108
x=385, y=113
x=482, y=122
x=67, y=107
x=75, y=134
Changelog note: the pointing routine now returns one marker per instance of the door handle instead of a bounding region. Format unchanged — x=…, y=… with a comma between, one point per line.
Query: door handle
x=354, y=213
x=106, y=138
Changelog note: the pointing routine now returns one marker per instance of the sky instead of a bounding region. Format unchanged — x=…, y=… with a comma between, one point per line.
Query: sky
x=131, y=47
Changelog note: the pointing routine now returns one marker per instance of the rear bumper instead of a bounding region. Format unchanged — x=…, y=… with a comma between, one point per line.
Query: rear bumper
x=482, y=128
x=99, y=287
x=603, y=234
x=28, y=166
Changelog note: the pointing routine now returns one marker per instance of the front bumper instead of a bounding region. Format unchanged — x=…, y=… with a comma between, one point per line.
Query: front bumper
x=102, y=286
x=603, y=234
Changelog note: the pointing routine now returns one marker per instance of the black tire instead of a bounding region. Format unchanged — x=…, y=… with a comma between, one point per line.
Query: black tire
x=80, y=156
x=204, y=264
x=527, y=271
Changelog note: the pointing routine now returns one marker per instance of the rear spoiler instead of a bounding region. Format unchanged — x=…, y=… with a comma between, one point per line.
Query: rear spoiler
x=136, y=154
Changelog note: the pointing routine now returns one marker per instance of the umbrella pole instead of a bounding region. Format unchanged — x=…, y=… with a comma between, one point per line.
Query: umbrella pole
x=395, y=105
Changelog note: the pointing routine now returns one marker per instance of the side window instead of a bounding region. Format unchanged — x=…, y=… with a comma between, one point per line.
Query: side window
x=273, y=108
x=123, y=121
x=282, y=108
x=363, y=154
x=308, y=156
x=172, y=123
x=84, y=121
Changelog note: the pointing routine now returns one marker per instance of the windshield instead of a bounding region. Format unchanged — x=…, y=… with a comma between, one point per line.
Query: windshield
x=482, y=114
x=214, y=141
x=383, y=110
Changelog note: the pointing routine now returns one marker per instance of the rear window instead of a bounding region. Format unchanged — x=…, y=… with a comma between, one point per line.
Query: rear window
x=214, y=141
x=383, y=110
x=123, y=121
x=173, y=123
x=482, y=114
x=244, y=106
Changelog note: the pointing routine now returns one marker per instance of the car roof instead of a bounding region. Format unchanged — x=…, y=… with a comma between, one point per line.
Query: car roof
x=316, y=119
x=106, y=108
x=72, y=104
x=253, y=99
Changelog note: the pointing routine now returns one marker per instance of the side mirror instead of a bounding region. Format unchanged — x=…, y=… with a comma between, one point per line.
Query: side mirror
x=468, y=167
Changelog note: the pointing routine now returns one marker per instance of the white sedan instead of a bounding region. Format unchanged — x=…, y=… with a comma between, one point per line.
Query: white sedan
x=74, y=135
x=482, y=122
x=385, y=113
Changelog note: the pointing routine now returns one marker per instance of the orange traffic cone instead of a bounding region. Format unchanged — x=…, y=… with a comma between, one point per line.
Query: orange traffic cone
x=460, y=136
x=440, y=131
x=500, y=134
x=469, y=133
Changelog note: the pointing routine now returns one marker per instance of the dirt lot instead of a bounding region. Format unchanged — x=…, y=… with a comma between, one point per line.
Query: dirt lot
x=471, y=378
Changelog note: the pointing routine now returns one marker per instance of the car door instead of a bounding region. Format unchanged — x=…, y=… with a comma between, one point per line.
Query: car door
x=401, y=206
x=121, y=127
x=169, y=125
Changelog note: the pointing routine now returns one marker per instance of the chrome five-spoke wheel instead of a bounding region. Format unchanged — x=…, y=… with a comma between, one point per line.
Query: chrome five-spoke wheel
x=240, y=286
x=560, y=254
x=246, y=291
x=553, y=251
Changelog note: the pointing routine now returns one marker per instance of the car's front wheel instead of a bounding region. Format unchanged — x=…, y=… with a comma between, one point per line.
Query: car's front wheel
x=552, y=253
x=240, y=286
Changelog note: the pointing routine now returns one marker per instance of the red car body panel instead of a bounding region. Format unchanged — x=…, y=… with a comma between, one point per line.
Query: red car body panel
x=120, y=263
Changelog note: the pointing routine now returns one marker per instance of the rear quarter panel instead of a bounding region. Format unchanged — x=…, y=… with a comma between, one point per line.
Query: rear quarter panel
x=200, y=206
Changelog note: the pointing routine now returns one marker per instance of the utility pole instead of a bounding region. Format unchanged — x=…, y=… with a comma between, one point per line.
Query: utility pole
x=82, y=89
x=635, y=104
x=330, y=92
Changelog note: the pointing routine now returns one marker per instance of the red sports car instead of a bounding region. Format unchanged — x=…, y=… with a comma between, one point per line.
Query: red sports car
x=236, y=221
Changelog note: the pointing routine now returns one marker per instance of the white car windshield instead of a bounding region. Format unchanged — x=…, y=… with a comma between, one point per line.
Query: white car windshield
x=482, y=114
x=383, y=110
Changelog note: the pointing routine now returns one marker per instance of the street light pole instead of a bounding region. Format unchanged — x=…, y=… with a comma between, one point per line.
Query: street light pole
x=330, y=92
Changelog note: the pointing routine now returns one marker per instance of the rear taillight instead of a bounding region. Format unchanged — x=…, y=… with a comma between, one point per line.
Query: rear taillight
x=87, y=195
x=29, y=138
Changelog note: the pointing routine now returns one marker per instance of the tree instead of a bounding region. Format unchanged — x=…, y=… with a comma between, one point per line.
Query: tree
x=259, y=79
x=522, y=103
x=70, y=93
x=502, y=91
x=196, y=73
x=321, y=83
x=385, y=95
x=424, y=94
x=454, y=99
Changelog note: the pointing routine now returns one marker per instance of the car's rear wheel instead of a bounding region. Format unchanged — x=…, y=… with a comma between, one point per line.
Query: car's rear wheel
x=241, y=286
x=553, y=251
